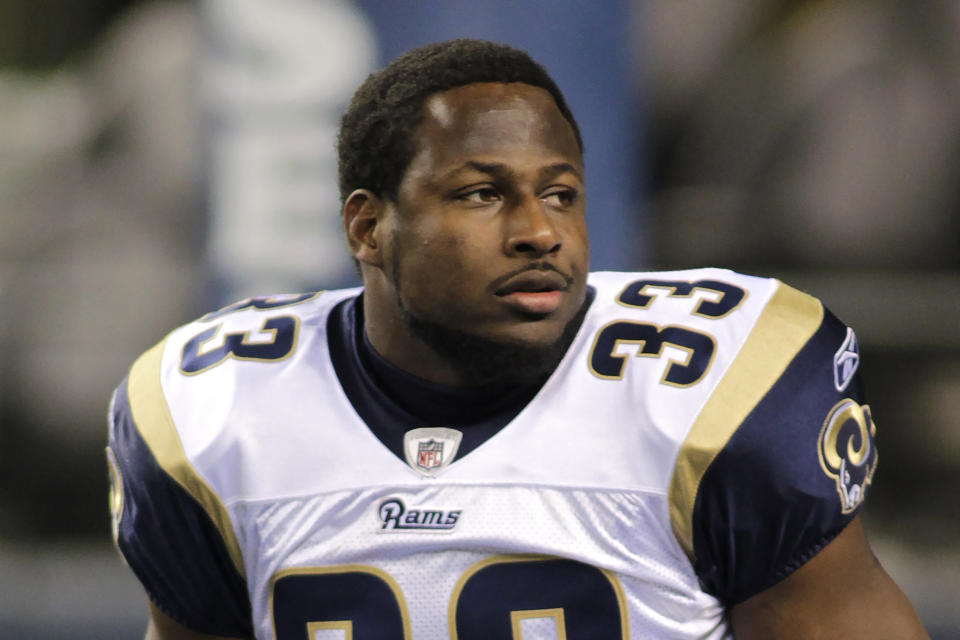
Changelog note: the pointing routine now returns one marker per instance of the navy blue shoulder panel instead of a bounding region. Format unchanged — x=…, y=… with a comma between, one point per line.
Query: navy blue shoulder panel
x=170, y=542
x=791, y=477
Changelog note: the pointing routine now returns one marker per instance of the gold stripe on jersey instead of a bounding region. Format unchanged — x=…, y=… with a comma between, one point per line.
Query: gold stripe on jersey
x=787, y=322
x=155, y=424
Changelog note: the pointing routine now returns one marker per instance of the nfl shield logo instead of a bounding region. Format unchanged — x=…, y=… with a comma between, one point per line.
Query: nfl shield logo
x=428, y=450
x=429, y=454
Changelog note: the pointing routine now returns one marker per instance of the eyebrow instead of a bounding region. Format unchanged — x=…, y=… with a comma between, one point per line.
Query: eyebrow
x=553, y=170
x=500, y=170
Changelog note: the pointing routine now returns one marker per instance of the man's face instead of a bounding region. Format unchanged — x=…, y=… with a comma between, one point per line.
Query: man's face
x=488, y=236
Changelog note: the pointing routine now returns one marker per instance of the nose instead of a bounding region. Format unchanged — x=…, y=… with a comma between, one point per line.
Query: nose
x=530, y=231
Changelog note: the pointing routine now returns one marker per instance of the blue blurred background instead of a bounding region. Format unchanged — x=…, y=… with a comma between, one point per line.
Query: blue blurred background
x=159, y=158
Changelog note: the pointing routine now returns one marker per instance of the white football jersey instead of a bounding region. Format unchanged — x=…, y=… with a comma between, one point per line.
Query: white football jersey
x=702, y=437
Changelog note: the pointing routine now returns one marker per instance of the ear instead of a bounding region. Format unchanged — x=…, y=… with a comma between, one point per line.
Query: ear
x=362, y=213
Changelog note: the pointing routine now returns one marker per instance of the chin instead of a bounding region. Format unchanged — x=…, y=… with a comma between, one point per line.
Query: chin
x=514, y=349
x=531, y=333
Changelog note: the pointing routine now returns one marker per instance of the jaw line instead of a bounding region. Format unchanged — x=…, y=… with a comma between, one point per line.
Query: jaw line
x=481, y=359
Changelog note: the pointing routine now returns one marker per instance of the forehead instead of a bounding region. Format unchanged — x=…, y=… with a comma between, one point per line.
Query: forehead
x=492, y=118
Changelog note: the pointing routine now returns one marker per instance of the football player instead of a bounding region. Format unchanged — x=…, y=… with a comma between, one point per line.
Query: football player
x=485, y=440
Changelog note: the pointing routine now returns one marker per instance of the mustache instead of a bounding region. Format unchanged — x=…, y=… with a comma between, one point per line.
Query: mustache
x=533, y=266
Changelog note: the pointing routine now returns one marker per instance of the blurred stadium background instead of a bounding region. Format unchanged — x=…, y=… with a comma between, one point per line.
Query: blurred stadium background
x=159, y=158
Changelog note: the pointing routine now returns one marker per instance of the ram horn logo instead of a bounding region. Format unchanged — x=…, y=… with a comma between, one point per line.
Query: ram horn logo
x=847, y=452
x=116, y=494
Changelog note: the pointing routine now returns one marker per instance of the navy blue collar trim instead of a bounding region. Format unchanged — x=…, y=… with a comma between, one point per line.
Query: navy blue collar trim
x=391, y=401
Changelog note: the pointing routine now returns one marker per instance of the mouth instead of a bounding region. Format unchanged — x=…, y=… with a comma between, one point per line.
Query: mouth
x=533, y=291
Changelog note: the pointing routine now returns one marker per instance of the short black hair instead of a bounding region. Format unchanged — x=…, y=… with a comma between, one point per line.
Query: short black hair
x=375, y=143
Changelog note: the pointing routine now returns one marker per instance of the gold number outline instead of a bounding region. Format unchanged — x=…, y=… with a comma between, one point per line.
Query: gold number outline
x=694, y=285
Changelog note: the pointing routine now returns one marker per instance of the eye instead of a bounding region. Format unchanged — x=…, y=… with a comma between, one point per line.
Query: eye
x=560, y=197
x=480, y=195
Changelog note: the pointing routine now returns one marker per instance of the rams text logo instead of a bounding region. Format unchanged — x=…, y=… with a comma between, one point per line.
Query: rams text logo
x=395, y=516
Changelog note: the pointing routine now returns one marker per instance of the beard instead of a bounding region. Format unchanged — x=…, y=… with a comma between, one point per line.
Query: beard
x=483, y=360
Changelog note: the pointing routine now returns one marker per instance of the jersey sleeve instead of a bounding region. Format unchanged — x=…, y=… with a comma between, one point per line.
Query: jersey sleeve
x=793, y=473
x=167, y=537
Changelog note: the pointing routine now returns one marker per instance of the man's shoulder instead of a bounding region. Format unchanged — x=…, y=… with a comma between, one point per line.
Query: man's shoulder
x=714, y=292
x=693, y=274
x=703, y=294
x=235, y=376
x=249, y=354
x=772, y=376
x=265, y=329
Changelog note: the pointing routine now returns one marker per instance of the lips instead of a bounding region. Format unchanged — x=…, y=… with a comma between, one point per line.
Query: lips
x=534, y=292
x=533, y=282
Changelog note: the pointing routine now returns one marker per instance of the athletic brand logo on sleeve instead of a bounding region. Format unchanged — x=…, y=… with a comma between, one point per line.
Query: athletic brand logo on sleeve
x=394, y=516
x=847, y=452
x=845, y=361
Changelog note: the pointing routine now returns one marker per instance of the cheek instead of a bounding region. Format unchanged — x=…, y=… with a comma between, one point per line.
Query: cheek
x=579, y=233
x=451, y=267
x=428, y=264
x=439, y=247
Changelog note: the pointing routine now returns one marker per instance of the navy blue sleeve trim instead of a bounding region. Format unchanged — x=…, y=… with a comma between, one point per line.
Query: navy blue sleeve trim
x=772, y=499
x=170, y=542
